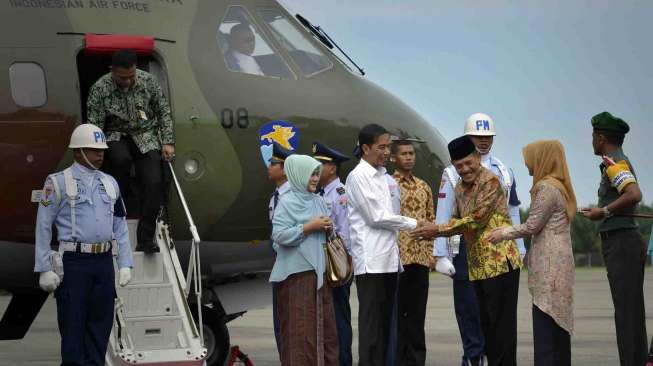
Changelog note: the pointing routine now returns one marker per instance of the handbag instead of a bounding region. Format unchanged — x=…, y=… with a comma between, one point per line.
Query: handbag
x=339, y=267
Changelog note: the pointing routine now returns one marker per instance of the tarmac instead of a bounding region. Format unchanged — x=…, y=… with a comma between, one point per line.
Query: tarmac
x=593, y=343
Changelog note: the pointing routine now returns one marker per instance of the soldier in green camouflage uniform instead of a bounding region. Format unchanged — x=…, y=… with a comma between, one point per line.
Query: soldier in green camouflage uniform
x=624, y=249
x=129, y=105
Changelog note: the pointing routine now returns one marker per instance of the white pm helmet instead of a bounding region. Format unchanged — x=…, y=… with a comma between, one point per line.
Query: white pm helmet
x=479, y=124
x=88, y=135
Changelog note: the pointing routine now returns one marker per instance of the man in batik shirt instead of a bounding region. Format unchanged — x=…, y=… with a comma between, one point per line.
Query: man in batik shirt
x=480, y=207
x=416, y=257
x=128, y=104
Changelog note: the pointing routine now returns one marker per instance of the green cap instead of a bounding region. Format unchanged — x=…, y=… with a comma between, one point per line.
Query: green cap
x=604, y=121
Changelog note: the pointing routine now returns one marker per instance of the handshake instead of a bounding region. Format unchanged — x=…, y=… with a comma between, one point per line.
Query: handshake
x=425, y=231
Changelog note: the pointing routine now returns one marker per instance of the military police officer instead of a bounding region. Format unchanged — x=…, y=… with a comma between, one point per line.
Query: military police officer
x=129, y=105
x=85, y=206
x=624, y=249
x=277, y=175
x=480, y=128
x=334, y=193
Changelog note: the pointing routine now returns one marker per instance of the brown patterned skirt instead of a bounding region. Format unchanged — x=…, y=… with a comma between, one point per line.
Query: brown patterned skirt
x=307, y=321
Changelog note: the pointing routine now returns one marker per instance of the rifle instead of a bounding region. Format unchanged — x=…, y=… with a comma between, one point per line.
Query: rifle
x=635, y=215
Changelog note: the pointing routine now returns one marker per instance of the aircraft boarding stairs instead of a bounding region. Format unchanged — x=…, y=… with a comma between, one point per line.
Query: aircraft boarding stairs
x=153, y=322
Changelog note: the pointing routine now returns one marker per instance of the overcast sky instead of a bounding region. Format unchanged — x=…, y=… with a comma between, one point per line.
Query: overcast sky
x=540, y=69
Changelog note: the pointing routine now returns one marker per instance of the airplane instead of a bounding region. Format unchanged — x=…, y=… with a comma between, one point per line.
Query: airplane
x=229, y=101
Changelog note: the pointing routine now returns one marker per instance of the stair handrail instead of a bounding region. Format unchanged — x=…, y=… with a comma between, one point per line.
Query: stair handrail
x=194, y=270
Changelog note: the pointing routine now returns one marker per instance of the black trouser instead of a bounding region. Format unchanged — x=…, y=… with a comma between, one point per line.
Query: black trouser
x=552, y=344
x=467, y=313
x=120, y=157
x=497, y=300
x=376, y=298
x=85, y=307
x=343, y=322
x=413, y=294
x=624, y=253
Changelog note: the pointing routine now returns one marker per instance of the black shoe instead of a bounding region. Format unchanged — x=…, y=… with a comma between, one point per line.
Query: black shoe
x=147, y=247
x=474, y=361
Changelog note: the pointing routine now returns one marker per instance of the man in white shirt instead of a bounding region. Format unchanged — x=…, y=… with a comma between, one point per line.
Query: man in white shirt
x=242, y=43
x=373, y=228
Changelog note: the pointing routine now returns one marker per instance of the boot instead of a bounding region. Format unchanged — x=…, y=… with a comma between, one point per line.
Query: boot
x=148, y=247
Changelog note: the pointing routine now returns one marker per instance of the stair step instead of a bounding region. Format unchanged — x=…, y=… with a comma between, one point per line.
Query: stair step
x=148, y=269
x=148, y=300
x=156, y=333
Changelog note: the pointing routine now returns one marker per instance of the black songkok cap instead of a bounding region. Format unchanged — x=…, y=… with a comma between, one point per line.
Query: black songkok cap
x=461, y=147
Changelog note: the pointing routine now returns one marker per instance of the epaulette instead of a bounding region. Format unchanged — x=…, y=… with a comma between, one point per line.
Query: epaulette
x=340, y=190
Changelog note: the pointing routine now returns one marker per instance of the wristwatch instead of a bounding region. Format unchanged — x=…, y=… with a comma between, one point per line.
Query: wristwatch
x=606, y=212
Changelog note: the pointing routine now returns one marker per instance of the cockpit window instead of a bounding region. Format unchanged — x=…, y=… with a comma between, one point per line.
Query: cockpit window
x=245, y=49
x=308, y=57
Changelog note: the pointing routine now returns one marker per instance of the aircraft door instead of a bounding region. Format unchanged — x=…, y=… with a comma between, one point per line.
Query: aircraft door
x=35, y=124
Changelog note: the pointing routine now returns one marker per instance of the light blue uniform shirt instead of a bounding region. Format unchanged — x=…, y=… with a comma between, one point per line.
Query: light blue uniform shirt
x=336, y=200
x=279, y=192
x=447, y=199
x=94, y=213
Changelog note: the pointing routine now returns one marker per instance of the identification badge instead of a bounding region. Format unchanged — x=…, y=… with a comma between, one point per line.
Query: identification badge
x=143, y=115
x=36, y=196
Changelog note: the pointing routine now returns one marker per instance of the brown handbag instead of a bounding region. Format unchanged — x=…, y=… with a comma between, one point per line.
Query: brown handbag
x=339, y=267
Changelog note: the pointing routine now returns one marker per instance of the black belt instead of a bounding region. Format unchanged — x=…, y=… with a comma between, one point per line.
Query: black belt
x=612, y=233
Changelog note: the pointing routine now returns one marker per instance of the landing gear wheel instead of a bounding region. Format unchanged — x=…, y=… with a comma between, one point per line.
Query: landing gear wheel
x=216, y=336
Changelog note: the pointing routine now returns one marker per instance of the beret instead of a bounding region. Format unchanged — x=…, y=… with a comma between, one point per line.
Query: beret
x=605, y=121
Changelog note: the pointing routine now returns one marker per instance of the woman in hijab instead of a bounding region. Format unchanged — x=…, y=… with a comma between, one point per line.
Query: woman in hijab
x=304, y=304
x=550, y=261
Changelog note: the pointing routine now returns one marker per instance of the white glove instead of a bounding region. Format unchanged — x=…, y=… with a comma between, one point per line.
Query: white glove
x=49, y=281
x=445, y=267
x=125, y=275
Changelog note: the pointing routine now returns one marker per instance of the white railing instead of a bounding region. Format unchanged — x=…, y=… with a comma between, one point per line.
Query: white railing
x=194, y=272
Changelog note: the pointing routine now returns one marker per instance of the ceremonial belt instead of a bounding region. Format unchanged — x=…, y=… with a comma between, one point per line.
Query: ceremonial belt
x=93, y=248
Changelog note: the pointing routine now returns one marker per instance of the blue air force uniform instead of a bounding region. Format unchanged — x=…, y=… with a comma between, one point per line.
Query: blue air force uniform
x=465, y=302
x=336, y=198
x=279, y=155
x=85, y=298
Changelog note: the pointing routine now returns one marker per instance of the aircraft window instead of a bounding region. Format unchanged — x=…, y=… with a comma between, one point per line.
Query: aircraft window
x=308, y=57
x=27, y=81
x=244, y=47
x=156, y=69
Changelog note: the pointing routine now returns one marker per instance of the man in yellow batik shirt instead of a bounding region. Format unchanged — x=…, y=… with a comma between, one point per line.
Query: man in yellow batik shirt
x=494, y=268
x=416, y=257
